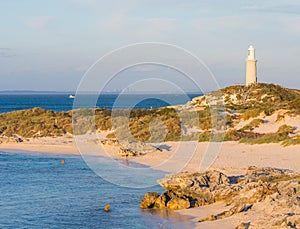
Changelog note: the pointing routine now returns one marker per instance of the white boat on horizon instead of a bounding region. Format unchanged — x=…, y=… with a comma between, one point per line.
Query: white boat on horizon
x=72, y=96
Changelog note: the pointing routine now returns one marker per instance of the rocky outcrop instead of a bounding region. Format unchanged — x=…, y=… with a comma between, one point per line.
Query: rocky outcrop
x=132, y=149
x=187, y=190
x=274, y=193
x=149, y=200
x=177, y=203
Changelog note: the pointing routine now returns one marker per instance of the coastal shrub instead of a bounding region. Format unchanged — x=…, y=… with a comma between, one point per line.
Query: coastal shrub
x=111, y=135
x=190, y=137
x=253, y=124
x=189, y=119
x=280, y=117
x=205, y=119
x=256, y=122
x=285, y=129
x=35, y=122
x=251, y=113
x=161, y=119
x=265, y=139
x=269, y=111
x=282, y=134
x=232, y=135
x=103, y=123
x=251, y=101
x=291, y=142
x=267, y=97
x=229, y=120
x=295, y=104
x=205, y=136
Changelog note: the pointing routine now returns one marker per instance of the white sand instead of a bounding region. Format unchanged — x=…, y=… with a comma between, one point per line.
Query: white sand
x=271, y=124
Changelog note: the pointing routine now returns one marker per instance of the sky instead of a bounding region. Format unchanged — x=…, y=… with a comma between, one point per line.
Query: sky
x=50, y=44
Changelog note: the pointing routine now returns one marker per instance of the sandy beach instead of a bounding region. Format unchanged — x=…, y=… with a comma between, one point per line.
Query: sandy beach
x=232, y=159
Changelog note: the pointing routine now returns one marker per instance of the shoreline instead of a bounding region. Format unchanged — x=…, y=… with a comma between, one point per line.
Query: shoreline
x=233, y=159
x=233, y=156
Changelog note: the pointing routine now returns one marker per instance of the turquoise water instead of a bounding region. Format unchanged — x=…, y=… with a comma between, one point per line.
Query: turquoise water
x=38, y=192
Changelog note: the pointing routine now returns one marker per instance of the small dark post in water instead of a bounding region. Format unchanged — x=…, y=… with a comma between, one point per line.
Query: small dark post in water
x=107, y=207
x=63, y=162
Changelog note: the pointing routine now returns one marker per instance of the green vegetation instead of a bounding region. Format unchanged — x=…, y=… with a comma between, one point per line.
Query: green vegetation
x=168, y=124
x=251, y=113
x=263, y=97
x=253, y=124
x=35, y=122
x=281, y=135
x=205, y=136
x=291, y=142
x=111, y=135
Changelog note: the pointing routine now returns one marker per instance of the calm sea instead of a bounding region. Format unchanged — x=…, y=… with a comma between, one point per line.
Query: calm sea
x=62, y=102
x=38, y=192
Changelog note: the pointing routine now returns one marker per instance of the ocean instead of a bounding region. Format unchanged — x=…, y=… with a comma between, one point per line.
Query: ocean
x=38, y=192
x=62, y=102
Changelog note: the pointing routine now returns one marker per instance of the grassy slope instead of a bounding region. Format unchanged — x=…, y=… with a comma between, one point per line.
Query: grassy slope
x=248, y=102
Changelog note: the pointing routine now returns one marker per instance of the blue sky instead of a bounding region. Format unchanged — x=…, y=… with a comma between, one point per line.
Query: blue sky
x=48, y=45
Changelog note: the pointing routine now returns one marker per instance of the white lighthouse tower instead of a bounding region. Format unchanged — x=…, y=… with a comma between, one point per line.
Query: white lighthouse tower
x=251, y=73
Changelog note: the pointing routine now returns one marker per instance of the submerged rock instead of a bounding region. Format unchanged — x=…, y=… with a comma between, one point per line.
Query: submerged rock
x=106, y=208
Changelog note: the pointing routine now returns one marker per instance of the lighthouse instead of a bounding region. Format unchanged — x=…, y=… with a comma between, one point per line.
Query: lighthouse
x=251, y=77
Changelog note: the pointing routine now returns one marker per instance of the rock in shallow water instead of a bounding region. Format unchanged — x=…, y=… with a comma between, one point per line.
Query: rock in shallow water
x=178, y=203
x=149, y=200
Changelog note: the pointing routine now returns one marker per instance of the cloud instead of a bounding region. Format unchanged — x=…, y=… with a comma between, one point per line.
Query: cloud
x=273, y=8
x=38, y=22
x=6, y=53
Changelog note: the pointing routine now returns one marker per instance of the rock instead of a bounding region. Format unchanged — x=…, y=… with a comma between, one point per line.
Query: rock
x=107, y=207
x=177, y=203
x=125, y=152
x=243, y=226
x=149, y=200
x=235, y=209
x=274, y=194
x=208, y=218
x=162, y=200
x=17, y=138
x=188, y=180
x=206, y=197
x=293, y=221
x=110, y=142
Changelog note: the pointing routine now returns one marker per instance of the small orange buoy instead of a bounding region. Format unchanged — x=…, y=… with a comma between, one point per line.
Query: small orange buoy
x=107, y=207
x=63, y=162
